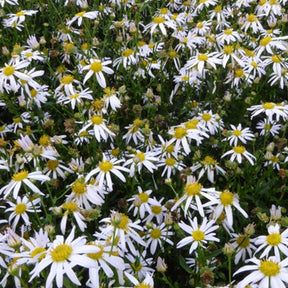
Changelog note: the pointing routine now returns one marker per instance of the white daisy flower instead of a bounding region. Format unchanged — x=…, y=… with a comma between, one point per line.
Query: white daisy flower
x=276, y=241
x=266, y=273
x=199, y=235
x=97, y=67
x=238, y=152
x=63, y=255
x=239, y=134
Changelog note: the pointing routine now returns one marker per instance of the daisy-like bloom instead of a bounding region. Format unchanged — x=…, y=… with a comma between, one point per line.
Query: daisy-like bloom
x=182, y=136
x=128, y=57
x=139, y=265
x=104, y=170
x=71, y=207
x=134, y=132
x=270, y=109
x=272, y=160
x=97, y=67
x=270, y=272
x=238, y=152
x=269, y=44
x=243, y=245
x=79, y=17
x=199, y=235
x=253, y=22
x=208, y=165
x=111, y=99
x=99, y=127
x=171, y=166
x=194, y=191
x=140, y=159
x=239, y=134
x=266, y=127
x=224, y=201
x=63, y=255
x=276, y=241
x=141, y=202
x=10, y=73
x=34, y=249
x=210, y=121
x=148, y=281
x=20, y=178
x=76, y=98
x=120, y=229
x=20, y=209
x=19, y=17
x=157, y=211
x=228, y=36
x=84, y=193
x=55, y=167
x=106, y=257
x=160, y=22
x=200, y=60
x=157, y=235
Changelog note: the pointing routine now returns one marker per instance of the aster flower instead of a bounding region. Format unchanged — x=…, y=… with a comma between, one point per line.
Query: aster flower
x=63, y=255
x=160, y=22
x=97, y=67
x=20, y=178
x=104, y=170
x=270, y=272
x=20, y=209
x=199, y=234
x=276, y=241
x=238, y=152
x=148, y=281
x=239, y=134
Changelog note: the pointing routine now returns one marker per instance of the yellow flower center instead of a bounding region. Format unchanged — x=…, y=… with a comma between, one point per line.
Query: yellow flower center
x=8, y=70
x=115, y=152
x=239, y=73
x=105, y=166
x=139, y=157
x=155, y=233
x=237, y=133
x=228, y=32
x=96, y=67
x=158, y=20
x=143, y=197
x=127, y=52
x=206, y=116
x=79, y=188
x=228, y=49
x=268, y=105
x=96, y=119
x=20, y=208
x=202, y=57
x=61, y=253
x=98, y=255
x=173, y=54
x=74, y=96
x=267, y=127
x=218, y=9
x=52, y=164
x=208, y=160
x=66, y=80
x=276, y=59
x=193, y=189
x=269, y=268
x=198, y=235
x=180, y=132
x=170, y=148
x=29, y=54
x=21, y=13
x=273, y=239
x=254, y=64
x=37, y=251
x=83, y=134
x=124, y=222
x=192, y=124
x=80, y=14
x=20, y=176
x=33, y=93
x=200, y=25
x=44, y=140
x=142, y=285
x=265, y=41
x=170, y=161
x=156, y=209
x=70, y=206
x=226, y=198
x=274, y=159
x=243, y=241
x=17, y=120
x=239, y=149
x=136, y=266
x=251, y=18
